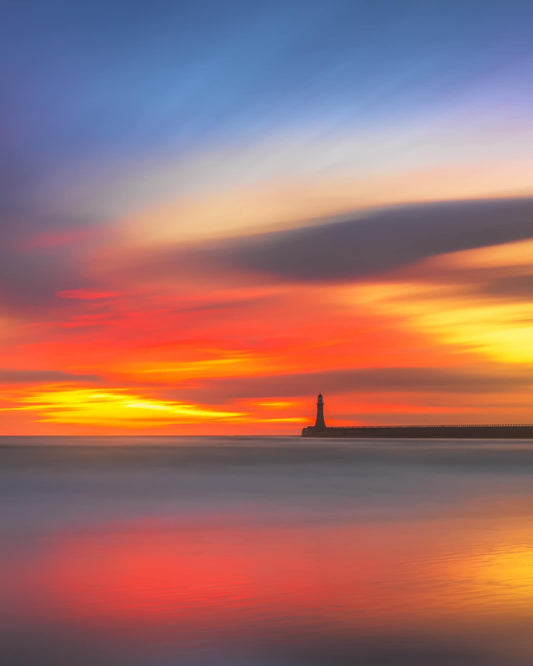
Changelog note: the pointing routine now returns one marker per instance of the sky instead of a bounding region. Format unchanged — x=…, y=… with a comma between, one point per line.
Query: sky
x=212, y=211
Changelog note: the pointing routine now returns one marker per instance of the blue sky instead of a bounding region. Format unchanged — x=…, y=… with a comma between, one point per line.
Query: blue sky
x=93, y=86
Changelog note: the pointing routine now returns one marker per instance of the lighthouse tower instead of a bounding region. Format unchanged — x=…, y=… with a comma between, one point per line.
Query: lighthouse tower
x=320, y=424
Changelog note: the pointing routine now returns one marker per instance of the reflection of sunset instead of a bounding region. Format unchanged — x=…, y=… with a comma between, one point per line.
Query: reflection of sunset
x=348, y=574
x=505, y=573
x=196, y=574
x=222, y=563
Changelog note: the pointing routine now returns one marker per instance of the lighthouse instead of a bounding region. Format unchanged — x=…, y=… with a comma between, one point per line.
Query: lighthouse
x=320, y=424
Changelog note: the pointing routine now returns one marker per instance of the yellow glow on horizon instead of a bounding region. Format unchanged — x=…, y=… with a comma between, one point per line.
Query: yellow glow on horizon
x=120, y=408
x=116, y=407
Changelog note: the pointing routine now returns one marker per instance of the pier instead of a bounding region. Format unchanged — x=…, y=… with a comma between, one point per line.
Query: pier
x=491, y=431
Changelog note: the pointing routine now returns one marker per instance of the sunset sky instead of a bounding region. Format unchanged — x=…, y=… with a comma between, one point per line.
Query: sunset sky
x=211, y=211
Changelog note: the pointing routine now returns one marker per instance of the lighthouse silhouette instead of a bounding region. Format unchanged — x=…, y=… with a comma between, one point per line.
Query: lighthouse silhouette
x=320, y=424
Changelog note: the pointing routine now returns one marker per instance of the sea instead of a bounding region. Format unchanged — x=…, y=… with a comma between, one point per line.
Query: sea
x=258, y=551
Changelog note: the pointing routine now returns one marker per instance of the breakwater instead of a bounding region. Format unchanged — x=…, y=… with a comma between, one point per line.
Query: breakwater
x=497, y=431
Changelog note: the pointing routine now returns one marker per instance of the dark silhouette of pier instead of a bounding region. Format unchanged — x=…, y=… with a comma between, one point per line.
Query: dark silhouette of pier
x=491, y=431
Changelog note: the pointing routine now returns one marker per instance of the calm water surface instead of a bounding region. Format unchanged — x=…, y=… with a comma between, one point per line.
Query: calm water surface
x=266, y=551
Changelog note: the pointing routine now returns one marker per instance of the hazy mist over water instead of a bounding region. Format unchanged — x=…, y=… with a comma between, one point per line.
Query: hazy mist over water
x=264, y=551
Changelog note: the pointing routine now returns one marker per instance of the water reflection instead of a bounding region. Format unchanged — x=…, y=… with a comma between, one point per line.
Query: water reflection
x=149, y=569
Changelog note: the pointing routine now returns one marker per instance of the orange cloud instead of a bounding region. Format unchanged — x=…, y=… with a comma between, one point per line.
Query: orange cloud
x=236, y=351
